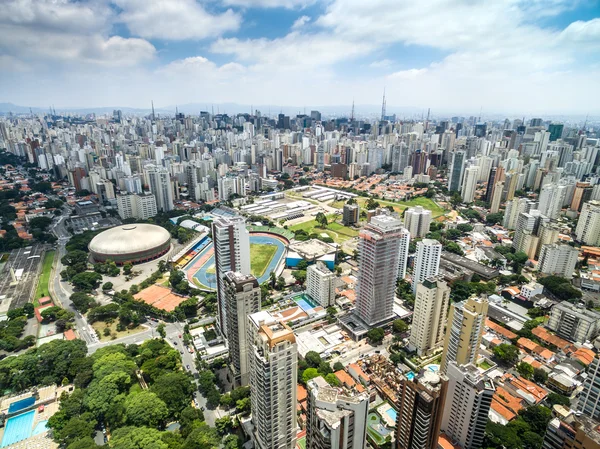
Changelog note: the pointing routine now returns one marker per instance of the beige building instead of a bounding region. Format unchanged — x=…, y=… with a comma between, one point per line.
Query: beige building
x=430, y=313
x=463, y=332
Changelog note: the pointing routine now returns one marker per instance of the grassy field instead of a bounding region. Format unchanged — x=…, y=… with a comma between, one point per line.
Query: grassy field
x=42, y=287
x=99, y=326
x=336, y=231
x=260, y=257
x=399, y=207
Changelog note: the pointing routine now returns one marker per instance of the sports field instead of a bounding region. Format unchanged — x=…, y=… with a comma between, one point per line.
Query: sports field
x=338, y=232
x=42, y=287
x=260, y=257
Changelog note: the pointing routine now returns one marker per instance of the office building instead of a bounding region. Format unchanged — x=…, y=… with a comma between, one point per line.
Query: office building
x=231, y=241
x=559, y=260
x=555, y=130
x=427, y=261
x=468, y=402
x=589, y=398
x=421, y=405
x=456, y=171
x=141, y=206
x=378, y=249
x=335, y=417
x=470, y=184
x=320, y=284
x=273, y=363
x=430, y=313
x=463, y=332
x=351, y=214
x=588, y=226
x=404, y=239
x=491, y=182
x=242, y=298
x=574, y=322
x=160, y=185
x=417, y=221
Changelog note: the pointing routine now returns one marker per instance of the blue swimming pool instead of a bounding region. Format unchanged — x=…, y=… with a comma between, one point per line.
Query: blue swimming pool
x=304, y=302
x=40, y=428
x=410, y=375
x=392, y=414
x=18, y=428
x=20, y=405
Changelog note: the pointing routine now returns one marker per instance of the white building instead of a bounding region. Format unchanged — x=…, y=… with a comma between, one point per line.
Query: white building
x=470, y=184
x=273, y=361
x=588, y=226
x=532, y=289
x=574, y=322
x=427, y=261
x=558, y=259
x=320, y=284
x=242, y=297
x=417, y=221
x=141, y=206
x=378, y=268
x=430, y=313
x=552, y=197
x=468, y=402
x=231, y=242
x=335, y=417
x=403, y=252
x=160, y=185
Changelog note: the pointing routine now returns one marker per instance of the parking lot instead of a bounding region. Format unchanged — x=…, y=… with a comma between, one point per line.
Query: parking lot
x=25, y=263
x=94, y=221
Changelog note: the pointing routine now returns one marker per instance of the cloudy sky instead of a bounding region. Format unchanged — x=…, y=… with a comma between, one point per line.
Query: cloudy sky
x=521, y=56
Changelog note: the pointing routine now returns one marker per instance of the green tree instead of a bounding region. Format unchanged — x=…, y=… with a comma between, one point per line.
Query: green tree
x=537, y=416
x=145, y=409
x=332, y=380
x=494, y=218
x=525, y=370
x=375, y=336
x=321, y=219
x=555, y=398
x=81, y=301
x=399, y=326
x=138, y=438
x=161, y=330
x=540, y=376
x=86, y=281
x=107, y=286
x=506, y=353
x=202, y=437
x=313, y=359
x=127, y=269
x=337, y=366
x=309, y=373
x=175, y=390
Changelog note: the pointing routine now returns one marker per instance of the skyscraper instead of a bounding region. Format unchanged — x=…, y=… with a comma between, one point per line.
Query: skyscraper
x=273, y=363
x=463, y=331
x=558, y=260
x=470, y=184
x=551, y=200
x=430, y=312
x=421, y=405
x=335, y=417
x=160, y=186
x=588, y=226
x=456, y=171
x=427, y=261
x=378, y=269
x=468, y=402
x=242, y=298
x=320, y=285
x=404, y=241
x=417, y=220
x=589, y=399
x=231, y=242
x=489, y=190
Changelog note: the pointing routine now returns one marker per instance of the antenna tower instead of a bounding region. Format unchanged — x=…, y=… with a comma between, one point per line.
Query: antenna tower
x=383, y=106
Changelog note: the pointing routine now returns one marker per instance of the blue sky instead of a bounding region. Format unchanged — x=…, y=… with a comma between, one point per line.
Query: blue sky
x=507, y=56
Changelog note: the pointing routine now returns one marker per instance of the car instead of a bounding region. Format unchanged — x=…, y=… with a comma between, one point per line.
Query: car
x=175, y=342
x=181, y=352
x=202, y=408
x=179, y=335
x=188, y=367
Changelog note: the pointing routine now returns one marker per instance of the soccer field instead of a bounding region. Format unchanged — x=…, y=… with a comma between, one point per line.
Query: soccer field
x=260, y=257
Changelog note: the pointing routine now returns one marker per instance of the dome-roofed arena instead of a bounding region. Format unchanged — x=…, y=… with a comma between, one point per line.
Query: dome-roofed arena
x=132, y=243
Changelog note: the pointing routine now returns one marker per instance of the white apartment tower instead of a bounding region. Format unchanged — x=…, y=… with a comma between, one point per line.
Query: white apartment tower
x=588, y=226
x=430, y=313
x=378, y=269
x=141, y=206
x=552, y=197
x=470, y=184
x=589, y=399
x=335, y=417
x=403, y=252
x=320, y=284
x=160, y=186
x=427, y=261
x=273, y=363
x=558, y=260
x=417, y=221
x=242, y=297
x=231, y=242
x=468, y=402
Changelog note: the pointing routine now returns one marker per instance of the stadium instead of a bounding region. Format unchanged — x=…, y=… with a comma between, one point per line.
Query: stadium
x=133, y=243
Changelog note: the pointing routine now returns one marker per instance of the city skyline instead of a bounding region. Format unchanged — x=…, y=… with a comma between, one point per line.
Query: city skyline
x=508, y=57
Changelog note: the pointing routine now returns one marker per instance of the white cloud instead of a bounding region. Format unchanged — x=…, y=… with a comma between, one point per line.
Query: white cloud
x=407, y=74
x=288, y=4
x=300, y=22
x=381, y=64
x=175, y=19
x=581, y=32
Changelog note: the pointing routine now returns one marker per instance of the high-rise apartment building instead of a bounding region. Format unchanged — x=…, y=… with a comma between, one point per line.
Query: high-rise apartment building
x=583, y=194
x=552, y=197
x=589, y=398
x=497, y=190
x=430, y=313
x=514, y=208
x=456, y=171
x=470, y=184
x=468, y=402
x=559, y=260
x=320, y=284
x=588, y=226
x=141, y=206
x=351, y=214
x=404, y=240
x=273, y=363
x=427, y=261
x=335, y=417
x=231, y=241
x=242, y=298
x=378, y=269
x=527, y=224
x=572, y=432
x=463, y=332
x=417, y=221
x=421, y=405
x=160, y=185
x=574, y=322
